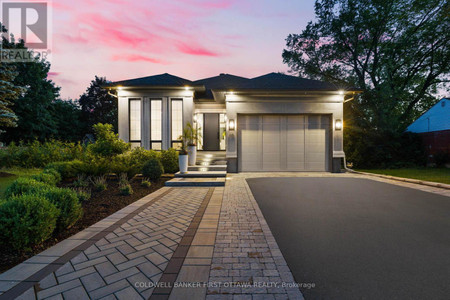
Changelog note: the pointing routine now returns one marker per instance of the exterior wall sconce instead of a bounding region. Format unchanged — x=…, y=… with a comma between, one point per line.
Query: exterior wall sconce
x=338, y=124
x=231, y=125
x=195, y=118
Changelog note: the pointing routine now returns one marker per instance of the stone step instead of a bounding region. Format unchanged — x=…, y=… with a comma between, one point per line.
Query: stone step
x=201, y=174
x=207, y=168
x=186, y=182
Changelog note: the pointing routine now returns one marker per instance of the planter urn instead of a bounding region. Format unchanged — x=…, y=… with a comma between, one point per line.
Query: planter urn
x=183, y=163
x=192, y=152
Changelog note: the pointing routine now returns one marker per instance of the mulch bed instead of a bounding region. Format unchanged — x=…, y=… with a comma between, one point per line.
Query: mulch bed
x=101, y=205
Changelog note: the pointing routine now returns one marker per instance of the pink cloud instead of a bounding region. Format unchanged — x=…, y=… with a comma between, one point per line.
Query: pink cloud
x=196, y=50
x=135, y=58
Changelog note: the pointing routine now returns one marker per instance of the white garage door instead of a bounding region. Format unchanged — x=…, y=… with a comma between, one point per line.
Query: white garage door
x=283, y=142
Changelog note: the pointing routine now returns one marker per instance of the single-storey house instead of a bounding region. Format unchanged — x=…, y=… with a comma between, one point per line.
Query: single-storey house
x=273, y=122
x=434, y=128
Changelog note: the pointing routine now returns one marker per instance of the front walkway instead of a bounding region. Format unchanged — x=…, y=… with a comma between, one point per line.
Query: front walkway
x=177, y=243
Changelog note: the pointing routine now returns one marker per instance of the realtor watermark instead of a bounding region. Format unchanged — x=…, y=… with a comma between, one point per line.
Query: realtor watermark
x=227, y=284
x=29, y=21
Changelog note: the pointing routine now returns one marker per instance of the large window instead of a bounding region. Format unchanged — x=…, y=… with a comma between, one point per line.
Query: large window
x=156, y=124
x=135, y=120
x=177, y=122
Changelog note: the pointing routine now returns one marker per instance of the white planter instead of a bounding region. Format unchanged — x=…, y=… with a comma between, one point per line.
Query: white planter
x=192, y=152
x=183, y=163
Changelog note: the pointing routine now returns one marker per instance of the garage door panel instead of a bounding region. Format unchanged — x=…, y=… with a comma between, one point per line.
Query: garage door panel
x=271, y=132
x=283, y=142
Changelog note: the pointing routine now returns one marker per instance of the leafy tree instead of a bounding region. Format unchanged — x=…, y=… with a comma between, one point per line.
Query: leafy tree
x=397, y=51
x=32, y=107
x=9, y=92
x=97, y=105
x=67, y=116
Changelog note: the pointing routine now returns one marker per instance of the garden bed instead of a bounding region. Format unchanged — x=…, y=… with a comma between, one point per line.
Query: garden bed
x=98, y=207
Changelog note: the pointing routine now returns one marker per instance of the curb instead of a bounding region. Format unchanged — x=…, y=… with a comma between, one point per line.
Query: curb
x=416, y=181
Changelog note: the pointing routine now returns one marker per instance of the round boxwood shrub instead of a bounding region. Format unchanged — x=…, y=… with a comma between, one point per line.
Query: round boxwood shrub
x=169, y=160
x=24, y=185
x=67, y=201
x=26, y=221
x=153, y=169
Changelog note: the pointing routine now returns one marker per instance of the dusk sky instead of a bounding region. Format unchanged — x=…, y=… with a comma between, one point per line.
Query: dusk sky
x=123, y=39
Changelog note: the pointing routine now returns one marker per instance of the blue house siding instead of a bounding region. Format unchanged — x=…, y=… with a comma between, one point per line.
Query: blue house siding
x=437, y=118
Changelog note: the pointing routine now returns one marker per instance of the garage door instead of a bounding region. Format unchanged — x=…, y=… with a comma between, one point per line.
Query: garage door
x=283, y=142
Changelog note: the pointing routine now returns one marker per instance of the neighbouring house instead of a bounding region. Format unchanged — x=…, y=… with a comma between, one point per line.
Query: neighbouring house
x=434, y=128
x=273, y=122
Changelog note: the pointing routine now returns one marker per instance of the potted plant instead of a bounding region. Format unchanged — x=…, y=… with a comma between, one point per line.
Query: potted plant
x=183, y=157
x=191, y=136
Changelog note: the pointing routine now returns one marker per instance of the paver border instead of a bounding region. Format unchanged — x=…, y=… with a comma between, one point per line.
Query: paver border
x=91, y=235
x=280, y=262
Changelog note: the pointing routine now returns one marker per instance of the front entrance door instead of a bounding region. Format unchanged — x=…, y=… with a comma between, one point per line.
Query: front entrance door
x=211, y=135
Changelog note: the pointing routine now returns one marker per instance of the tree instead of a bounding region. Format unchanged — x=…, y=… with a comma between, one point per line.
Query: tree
x=67, y=116
x=9, y=92
x=32, y=107
x=97, y=105
x=397, y=51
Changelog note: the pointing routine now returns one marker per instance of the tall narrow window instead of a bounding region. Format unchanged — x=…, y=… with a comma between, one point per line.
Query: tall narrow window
x=177, y=122
x=135, y=121
x=156, y=124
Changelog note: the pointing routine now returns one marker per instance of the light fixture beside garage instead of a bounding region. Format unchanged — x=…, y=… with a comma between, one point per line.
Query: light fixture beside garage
x=231, y=125
x=338, y=124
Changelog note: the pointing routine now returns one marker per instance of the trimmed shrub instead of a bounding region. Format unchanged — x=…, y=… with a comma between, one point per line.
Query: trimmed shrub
x=67, y=169
x=66, y=200
x=47, y=178
x=169, y=160
x=26, y=221
x=55, y=173
x=24, y=185
x=153, y=169
x=124, y=164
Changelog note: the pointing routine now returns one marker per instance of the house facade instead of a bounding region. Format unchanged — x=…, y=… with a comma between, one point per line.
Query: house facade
x=434, y=129
x=274, y=122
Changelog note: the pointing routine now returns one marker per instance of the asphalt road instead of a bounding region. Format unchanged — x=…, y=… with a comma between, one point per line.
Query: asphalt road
x=359, y=238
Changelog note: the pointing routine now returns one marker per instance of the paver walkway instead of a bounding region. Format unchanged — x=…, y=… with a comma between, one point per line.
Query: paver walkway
x=176, y=243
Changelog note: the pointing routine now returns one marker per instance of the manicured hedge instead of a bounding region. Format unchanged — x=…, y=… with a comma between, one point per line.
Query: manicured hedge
x=26, y=221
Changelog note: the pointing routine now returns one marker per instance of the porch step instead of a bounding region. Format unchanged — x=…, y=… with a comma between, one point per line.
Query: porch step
x=207, y=168
x=184, y=182
x=201, y=174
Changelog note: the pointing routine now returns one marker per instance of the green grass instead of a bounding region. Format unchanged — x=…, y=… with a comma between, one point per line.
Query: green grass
x=17, y=172
x=441, y=175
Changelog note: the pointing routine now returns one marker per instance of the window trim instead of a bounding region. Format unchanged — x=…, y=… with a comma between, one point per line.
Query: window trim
x=172, y=140
x=129, y=119
x=150, y=123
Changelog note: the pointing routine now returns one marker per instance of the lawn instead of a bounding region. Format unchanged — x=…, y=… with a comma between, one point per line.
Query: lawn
x=7, y=176
x=441, y=175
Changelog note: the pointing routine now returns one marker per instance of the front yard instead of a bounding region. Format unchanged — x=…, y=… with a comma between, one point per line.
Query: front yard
x=441, y=175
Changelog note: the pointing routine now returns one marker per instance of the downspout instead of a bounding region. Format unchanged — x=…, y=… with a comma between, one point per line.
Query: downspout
x=345, y=158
